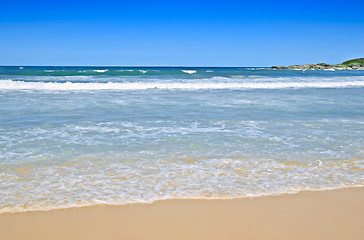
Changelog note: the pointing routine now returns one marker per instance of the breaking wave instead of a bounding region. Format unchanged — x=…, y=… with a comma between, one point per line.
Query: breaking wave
x=69, y=86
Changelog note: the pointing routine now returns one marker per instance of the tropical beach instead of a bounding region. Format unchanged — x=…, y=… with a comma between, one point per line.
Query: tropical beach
x=181, y=120
x=181, y=152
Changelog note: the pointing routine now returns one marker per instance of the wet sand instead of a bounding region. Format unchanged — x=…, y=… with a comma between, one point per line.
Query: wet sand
x=334, y=214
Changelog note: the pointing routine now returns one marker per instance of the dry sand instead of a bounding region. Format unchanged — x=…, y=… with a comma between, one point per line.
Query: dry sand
x=336, y=214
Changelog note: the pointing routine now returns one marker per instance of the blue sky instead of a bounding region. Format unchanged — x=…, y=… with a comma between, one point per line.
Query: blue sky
x=183, y=33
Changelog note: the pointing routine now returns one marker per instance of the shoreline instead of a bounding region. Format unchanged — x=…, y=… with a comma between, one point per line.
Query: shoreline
x=324, y=214
x=176, y=199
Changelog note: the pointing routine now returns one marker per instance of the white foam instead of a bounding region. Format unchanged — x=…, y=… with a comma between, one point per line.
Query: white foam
x=100, y=71
x=69, y=86
x=220, y=78
x=189, y=71
x=85, y=183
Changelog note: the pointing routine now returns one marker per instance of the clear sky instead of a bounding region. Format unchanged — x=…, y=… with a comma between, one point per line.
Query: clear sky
x=180, y=33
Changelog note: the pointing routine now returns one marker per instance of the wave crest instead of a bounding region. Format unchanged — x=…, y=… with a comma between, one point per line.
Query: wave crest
x=69, y=86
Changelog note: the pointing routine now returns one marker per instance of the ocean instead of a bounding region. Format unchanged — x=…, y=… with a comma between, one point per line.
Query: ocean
x=84, y=136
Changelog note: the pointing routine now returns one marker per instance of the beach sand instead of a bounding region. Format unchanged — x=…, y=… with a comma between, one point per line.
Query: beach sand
x=334, y=214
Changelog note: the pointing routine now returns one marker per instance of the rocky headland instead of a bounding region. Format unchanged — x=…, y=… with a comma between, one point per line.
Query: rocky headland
x=354, y=64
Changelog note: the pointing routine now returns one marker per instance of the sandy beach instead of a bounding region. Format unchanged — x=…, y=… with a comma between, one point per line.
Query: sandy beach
x=334, y=214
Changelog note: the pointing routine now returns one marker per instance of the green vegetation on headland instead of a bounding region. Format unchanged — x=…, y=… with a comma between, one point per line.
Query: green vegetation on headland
x=354, y=64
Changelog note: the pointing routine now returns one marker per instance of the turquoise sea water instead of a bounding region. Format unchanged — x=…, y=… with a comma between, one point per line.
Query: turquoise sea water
x=80, y=136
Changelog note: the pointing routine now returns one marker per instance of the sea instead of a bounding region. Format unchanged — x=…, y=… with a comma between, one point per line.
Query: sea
x=85, y=136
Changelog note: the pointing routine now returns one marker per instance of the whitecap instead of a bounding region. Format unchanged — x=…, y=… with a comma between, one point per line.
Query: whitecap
x=189, y=71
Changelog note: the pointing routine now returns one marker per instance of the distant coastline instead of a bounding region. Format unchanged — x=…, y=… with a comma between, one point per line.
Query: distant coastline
x=353, y=64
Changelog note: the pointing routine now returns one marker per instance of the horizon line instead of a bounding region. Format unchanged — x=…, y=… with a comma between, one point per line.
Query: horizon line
x=165, y=66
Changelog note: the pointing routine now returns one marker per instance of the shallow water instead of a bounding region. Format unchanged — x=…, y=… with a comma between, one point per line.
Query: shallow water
x=79, y=136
